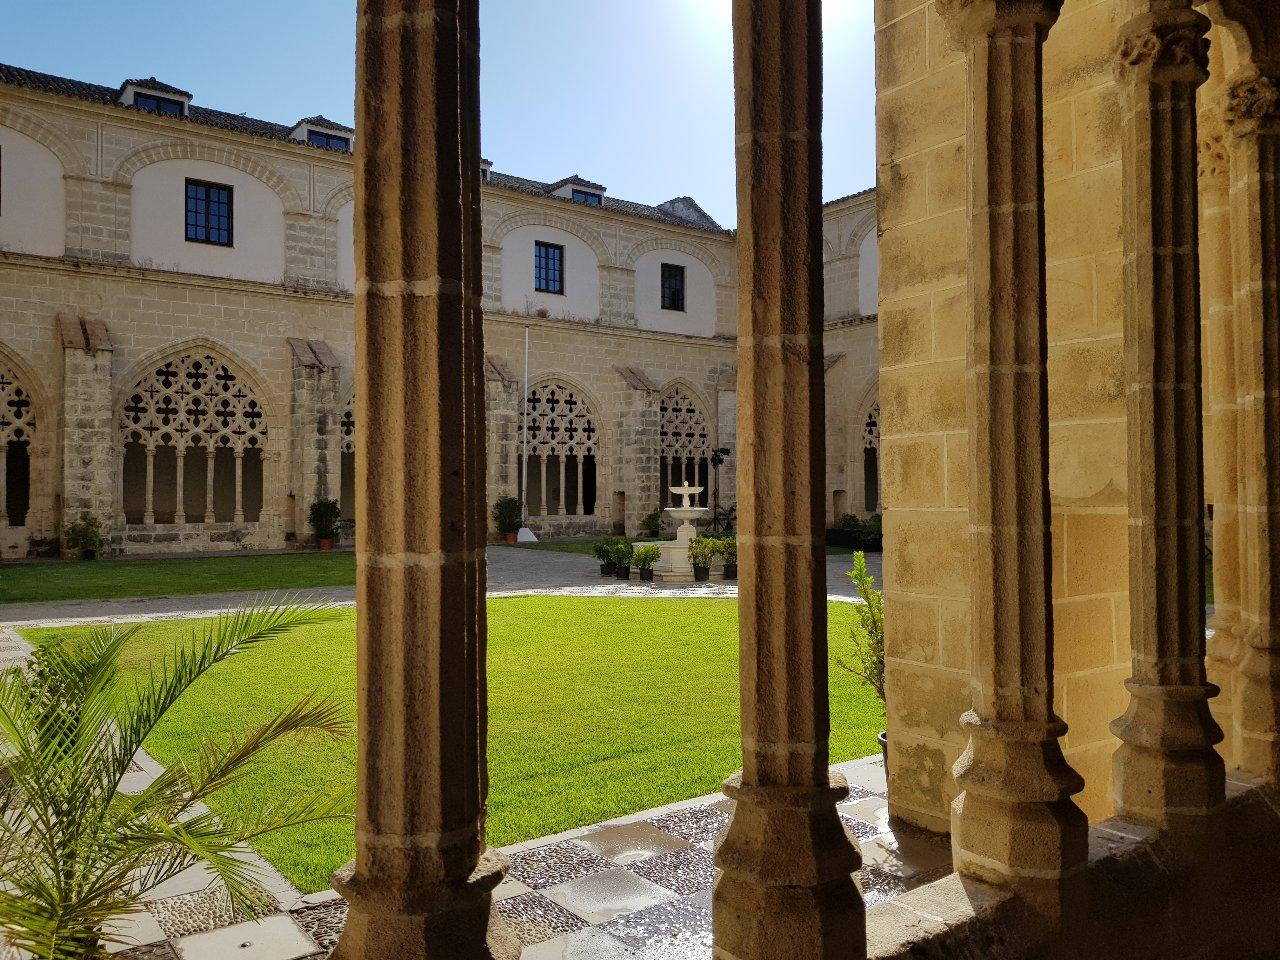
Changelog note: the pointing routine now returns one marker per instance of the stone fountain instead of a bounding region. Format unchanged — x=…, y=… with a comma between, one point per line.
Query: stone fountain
x=674, y=565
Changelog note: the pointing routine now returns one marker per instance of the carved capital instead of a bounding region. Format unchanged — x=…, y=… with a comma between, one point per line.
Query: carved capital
x=1215, y=160
x=1168, y=47
x=969, y=20
x=1253, y=104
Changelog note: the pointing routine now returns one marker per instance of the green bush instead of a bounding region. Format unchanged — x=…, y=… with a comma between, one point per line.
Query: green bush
x=84, y=534
x=727, y=548
x=508, y=515
x=867, y=638
x=622, y=553
x=602, y=549
x=702, y=551
x=857, y=534
x=646, y=556
x=652, y=524
x=325, y=517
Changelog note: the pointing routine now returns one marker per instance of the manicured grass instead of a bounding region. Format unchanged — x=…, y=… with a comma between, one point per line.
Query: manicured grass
x=597, y=707
x=104, y=579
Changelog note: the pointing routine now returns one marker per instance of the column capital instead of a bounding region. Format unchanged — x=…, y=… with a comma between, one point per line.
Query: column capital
x=1252, y=103
x=1214, y=158
x=969, y=20
x=1165, y=46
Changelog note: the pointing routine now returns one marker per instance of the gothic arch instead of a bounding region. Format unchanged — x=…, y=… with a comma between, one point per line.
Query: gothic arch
x=73, y=162
x=697, y=251
x=549, y=427
x=189, y=150
x=338, y=198
x=861, y=229
x=22, y=442
x=684, y=441
x=559, y=222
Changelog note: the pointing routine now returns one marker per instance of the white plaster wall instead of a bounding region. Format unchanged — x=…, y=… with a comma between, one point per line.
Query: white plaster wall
x=33, y=210
x=158, y=223
x=581, y=298
x=699, y=315
x=869, y=275
x=347, y=246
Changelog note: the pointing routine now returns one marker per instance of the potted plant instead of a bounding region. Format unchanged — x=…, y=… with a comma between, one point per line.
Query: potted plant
x=325, y=518
x=622, y=554
x=652, y=524
x=79, y=848
x=86, y=536
x=867, y=638
x=728, y=550
x=702, y=550
x=644, y=558
x=603, y=550
x=508, y=516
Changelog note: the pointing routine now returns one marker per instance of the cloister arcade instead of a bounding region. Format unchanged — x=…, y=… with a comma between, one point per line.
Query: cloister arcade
x=558, y=446
x=685, y=443
x=17, y=426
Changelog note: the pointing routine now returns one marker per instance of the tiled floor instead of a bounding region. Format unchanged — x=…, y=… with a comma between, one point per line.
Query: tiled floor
x=635, y=888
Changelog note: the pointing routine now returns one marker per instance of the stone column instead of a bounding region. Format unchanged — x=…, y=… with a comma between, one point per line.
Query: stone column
x=148, y=510
x=1166, y=767
x=1253, y=117
x=560, y=497
x=1221, y=443
x=579, y=473
x=180, y=506
x=785, y=887
x=315, y=416
x=90, y=432
x=1014, y=822
x=422, y=880
x=543, y=503
x=209, y=456
x=237, y=517
x=638, y=467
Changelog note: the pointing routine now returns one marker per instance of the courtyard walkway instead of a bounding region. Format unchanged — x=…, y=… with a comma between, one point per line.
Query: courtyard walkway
x=512, y=571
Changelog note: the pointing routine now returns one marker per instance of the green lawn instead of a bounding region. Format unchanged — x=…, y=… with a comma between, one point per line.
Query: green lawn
x=597, y=708
x=105, y=579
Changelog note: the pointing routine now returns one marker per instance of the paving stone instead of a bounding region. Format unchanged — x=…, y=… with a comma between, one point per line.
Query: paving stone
x=275, y=937
x=153, y=951
x=681, y=871
x=602, y=896
x=695, y=824
x=194, y=912
x=134, y=930
x=191, y=880
x=860, y=829
x=672, y=923
x=877, y=885
x=590, y=943
x=907, y=851
x=631, y=842
x=554, y=863
x=534, y=919
x=323, y=922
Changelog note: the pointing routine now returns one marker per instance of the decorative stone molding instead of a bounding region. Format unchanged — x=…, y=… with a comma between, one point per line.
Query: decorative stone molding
x=543, y=218
x=74, y=163
x=1214, y=158
x=336, y=199
x=1253, y=102
x=1169, y=46
x=969, y=20
x=192, y=150
x=719, y=273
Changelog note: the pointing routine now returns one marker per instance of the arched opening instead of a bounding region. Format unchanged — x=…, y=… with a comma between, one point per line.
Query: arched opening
x=193, y=433
x=347, y=466
x=871, y=460
x=558, y=452
x=17, y=424
x=684, y=446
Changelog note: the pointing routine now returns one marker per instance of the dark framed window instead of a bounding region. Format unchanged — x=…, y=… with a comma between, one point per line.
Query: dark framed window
x=586, y=196
x=209, y=213
x=672, y=287
x=332, y=141
x=155, y=104
x=548, y=267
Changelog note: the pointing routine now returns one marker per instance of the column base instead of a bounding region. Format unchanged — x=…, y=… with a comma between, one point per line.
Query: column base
x=1014, y=824
x=785, y=890
x=1257, y=704
x=1166, y=769
x=388, y=920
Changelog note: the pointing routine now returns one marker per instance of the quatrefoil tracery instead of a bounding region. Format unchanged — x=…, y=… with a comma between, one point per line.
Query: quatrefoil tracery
x=194, y=400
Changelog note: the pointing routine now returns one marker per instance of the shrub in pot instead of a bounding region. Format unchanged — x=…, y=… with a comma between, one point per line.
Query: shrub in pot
x=644, y=558
x=867, y=637
x=85, y=535
x=652, y=524
x=603, y=551
x=728, y=550
x=508, y=516
x=622, y=554
x=702, y=551
x=325, y=517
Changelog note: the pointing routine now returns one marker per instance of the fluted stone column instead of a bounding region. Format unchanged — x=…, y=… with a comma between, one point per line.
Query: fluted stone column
x=422, y=880
x=1221, y=443
x=1253, y=117
x=785, y=888
x=1014, y=822
x=1166, y=767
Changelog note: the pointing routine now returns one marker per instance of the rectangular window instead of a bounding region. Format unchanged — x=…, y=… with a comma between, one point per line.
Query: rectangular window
x=330, y=140
x=209, y=213
x=548, y=267
x=154, y=104
x=672, y=287
x=585, y=196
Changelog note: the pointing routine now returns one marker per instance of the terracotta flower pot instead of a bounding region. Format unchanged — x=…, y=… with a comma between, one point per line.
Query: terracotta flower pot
x=509, y=537
x=324, y=543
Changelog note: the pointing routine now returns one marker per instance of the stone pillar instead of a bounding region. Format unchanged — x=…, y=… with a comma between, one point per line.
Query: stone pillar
x=315, y=415
x=209, y=456
x=636, y=458
x=560, y=497
x=422, y=880
x=237, y=517
x=1014, y=822
x=617, y=295
x=1166, y=767
x=1221, y=442
x=148, y=510
x=90, y=433
x=785, y=887
x=1253, y=117
x=180, y=506
x=502, y=415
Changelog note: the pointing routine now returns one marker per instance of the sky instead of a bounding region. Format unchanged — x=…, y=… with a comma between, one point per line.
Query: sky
x=637, y=96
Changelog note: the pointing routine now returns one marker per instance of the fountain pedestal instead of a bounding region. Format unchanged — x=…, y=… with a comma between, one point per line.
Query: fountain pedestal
x=674, y=566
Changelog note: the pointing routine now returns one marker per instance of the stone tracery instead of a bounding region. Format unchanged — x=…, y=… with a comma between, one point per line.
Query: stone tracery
x=684, y=444
x=558, y=425
x=17, y=425
x=871, y=459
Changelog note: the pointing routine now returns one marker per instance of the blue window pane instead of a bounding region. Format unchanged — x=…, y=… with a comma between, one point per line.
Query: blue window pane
x=208, y=213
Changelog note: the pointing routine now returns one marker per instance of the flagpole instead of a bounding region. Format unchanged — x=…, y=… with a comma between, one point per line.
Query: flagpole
x=524, y=434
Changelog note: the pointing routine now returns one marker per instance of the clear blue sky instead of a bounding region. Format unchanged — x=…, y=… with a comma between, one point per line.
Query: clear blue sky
x=637, y=96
